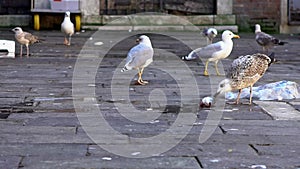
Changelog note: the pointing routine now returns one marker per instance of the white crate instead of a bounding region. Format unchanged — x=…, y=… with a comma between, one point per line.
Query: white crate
x=7, y=49
x=65, y=5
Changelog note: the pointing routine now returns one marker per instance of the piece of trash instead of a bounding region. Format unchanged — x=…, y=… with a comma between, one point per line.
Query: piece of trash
x=98, y=43
x=271, y=91
x=107, y=158
x=91, y=38
x=259, y=166
x=82, y=30
x=149, y=109
x=214, y=161
x=91, y=85
x=135, y=153
x=206, y=102
x=154, y=121
x=233, y=129
x=197, y=123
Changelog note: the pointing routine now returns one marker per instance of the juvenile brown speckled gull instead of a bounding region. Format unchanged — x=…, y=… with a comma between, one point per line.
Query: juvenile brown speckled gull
x=245, y=71
x=24, y=38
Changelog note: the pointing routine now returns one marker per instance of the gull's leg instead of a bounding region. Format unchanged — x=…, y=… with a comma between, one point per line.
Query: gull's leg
x=142, y=71
x=250, y=102
x=21, y=51
x=216, y=67
x=27, y=49
x=205, y=70
x=69, y=41
x=66, y=41
x=238, y=97
x=140, y=81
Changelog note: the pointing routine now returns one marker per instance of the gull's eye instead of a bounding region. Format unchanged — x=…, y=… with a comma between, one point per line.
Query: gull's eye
x=222, y=85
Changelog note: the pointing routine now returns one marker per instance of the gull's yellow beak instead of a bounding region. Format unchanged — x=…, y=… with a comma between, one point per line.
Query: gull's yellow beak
x=236, y=36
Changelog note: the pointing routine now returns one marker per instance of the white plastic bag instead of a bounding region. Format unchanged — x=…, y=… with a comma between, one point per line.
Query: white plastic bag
x=272, y=91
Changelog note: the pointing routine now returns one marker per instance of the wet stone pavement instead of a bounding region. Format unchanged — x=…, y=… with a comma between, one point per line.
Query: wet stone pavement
x=70, y=107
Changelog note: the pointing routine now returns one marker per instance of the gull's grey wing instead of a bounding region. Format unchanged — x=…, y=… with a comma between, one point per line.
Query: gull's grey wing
x=208, y=50
x=138, y=55
x=265, y=39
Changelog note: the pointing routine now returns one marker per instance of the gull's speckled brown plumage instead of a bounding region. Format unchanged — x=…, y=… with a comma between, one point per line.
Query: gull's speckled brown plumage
x=24, y=38
x=244, y=72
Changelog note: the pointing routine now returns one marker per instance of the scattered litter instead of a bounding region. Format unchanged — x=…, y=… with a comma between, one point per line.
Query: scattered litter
x=227, y=110
x=259, y=166
x=107, y=158
x=91, y=38
x=206, y=102
x=131, y=89
x=91, y=85
x=154, y=121
x=197, y=123
x=271, y=91
x=233, y=129
x=135, y=153
x=98, y=43
x=149, y=109
x=214, y=161
x=82, y=31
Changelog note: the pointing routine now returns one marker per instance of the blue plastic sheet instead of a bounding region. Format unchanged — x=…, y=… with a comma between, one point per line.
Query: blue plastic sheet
x=281, y=90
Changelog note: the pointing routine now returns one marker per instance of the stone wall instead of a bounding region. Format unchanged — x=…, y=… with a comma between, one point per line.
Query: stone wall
x=14, y=7
x=265, y=12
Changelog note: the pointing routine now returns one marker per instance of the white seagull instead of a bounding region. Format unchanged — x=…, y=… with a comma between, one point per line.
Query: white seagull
x=139, y=57
x=210, y=34
x=214, y=52
x=24, y=38
x=265, y=40
x=67, y=27
x=245, y=71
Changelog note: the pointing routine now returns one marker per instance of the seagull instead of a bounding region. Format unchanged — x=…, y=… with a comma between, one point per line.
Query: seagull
x=245, y=71
x=265, y=40
x=214, y=52
x=139, y=57
x=24, y=38
x=67, y=27
x=210, y=34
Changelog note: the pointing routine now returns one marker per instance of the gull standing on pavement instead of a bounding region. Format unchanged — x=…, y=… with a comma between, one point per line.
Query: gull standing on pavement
x=139, y=57
x=214, y=52
x=24, y=38
x=67, y=27
x=210, y=34
x=244, y=72
x=265, y=40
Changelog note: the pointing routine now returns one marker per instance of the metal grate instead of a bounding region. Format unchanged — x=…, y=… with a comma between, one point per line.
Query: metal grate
x=294, y=12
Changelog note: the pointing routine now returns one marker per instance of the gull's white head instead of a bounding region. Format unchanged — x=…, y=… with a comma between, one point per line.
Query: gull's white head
x=17, y=30
x=227, y=35
x=68, y=14
x=212, y=31
x=224, y=86
x=143, y=39
x=257, y=28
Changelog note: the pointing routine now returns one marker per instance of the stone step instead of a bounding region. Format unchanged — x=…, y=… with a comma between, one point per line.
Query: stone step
x=233, y=28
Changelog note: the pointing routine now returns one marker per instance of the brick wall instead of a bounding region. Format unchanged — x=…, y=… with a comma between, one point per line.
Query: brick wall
x=264, y=12
x=14, y=7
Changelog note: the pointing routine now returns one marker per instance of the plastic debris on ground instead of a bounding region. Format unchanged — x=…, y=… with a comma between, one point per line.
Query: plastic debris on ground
x=282, y=90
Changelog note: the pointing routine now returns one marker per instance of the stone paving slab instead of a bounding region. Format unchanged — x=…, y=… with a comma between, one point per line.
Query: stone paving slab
x=99, y=162
x=39, y=127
